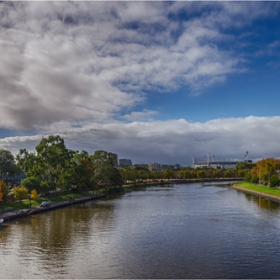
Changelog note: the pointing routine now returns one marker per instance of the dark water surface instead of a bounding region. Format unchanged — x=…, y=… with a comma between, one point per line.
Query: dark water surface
x=181, y=231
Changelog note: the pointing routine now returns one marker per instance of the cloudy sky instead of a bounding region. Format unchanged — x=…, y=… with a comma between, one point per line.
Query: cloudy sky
x=150, y=81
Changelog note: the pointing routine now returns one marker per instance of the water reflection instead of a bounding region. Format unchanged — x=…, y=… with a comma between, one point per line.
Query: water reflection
x=174, y=231
x=263, y=202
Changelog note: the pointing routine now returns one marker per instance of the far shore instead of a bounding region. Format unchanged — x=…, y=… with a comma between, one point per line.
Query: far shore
x=257, y=193
x=176, y=181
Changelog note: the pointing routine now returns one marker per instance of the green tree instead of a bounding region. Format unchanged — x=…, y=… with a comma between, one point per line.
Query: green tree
x=80, y=172
x=248, y=177
x=7, y=164
x=105, y=172
x=27, y=162
x=52, y=158
x=125, y=173
x=254, y=179
x=244, y=165
x=44, y=187
x=274, y=181
x=168, y=174
x=31, y=183
x=201, y=173
x=142, y=175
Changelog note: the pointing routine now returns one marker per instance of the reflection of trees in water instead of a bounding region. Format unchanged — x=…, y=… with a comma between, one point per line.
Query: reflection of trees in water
x=268, y=204
x=57, y=227
x=4, y=235
x=51, y=237
x=263, y=202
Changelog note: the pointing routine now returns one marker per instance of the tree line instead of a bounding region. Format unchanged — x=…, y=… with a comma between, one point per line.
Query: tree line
x=54, y=167
x=265, y=172
x=135, y=174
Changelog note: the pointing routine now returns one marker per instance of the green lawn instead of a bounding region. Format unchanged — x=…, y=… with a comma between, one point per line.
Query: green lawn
x=36, y=202
x=257, y=188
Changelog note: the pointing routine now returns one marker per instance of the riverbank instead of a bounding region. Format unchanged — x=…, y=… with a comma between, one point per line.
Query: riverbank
x=176, y=181
x=15, y=214
x=259, y=191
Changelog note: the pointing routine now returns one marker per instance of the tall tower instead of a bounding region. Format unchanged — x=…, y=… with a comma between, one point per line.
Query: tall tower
x=208, y=155
x=193, y=160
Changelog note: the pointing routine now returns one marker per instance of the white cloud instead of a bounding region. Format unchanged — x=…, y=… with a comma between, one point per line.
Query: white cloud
x=89, y=60
x=73, y=68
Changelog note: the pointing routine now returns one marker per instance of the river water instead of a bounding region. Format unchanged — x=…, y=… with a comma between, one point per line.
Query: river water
x=179, y=231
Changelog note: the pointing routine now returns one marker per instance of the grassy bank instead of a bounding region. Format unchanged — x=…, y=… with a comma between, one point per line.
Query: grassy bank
x=262, y=189
x=36, y=202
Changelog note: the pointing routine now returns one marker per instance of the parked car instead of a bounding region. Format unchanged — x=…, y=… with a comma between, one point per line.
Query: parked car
x=45, y=204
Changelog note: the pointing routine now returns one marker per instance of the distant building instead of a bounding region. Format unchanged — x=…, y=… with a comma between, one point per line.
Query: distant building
x=142, y=165
x=216, y=165
x=160, y=167
x=170, y=166
x=125, y=162
x=155, y=167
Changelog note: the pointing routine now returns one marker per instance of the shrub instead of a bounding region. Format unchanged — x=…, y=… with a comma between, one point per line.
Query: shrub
x=248, y=177
x=274, y=181
x=255, y=180
x=31, y=183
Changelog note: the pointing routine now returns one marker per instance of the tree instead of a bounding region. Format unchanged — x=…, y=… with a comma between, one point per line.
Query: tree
x=33, y=194
x=4, y=191
x=254, y=179
x=105, y=172
x=44, y=187
x=52, y=158
x=142, y=175
x=31, y=183
x=7, y=163
x=168, y=174
x=244, y=165
x=274, y=181
x=20, y=193
x=27, y=162
x=201, y=173
x=79, y=172
x=266, y=168
x=248, y=177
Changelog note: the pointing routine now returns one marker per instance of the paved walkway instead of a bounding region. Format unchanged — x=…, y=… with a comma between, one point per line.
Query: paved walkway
x=37, y=209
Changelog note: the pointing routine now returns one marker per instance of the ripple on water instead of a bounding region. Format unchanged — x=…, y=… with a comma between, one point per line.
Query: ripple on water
x=184, y=231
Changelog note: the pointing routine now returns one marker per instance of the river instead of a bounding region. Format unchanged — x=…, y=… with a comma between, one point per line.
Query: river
x=197, y=230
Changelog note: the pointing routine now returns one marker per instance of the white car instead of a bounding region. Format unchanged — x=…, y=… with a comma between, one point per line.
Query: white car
x=45, y=204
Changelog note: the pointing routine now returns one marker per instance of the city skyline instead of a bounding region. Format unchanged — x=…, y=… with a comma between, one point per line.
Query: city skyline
x=149, y=81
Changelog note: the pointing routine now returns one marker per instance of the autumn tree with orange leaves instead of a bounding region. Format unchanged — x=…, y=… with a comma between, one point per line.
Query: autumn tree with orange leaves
x=266, y=168
x=4, y=191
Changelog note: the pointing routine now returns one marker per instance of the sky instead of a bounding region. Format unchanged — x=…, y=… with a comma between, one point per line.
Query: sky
x=150, y=81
